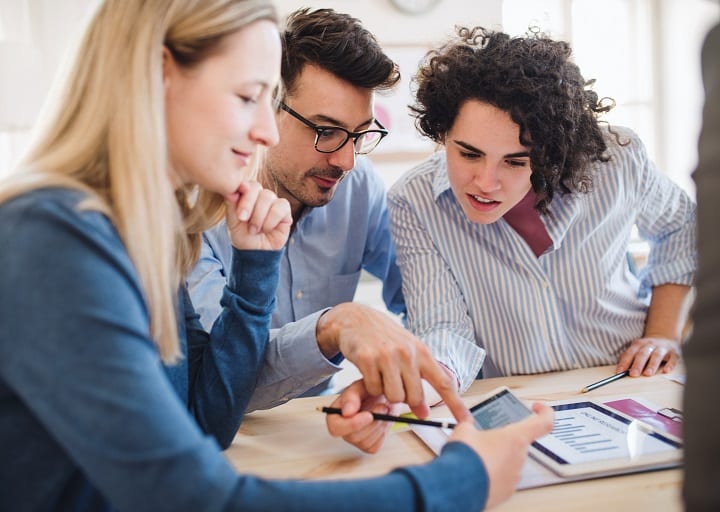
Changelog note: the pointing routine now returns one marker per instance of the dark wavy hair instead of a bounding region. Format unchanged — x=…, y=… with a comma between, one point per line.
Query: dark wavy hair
x=533, y=80
x=337, y=43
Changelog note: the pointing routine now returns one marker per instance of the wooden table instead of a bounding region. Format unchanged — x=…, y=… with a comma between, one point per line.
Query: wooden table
x=291, y=441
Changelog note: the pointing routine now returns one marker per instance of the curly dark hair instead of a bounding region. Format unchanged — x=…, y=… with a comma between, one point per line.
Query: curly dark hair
x=337, y=43
x=533, y=80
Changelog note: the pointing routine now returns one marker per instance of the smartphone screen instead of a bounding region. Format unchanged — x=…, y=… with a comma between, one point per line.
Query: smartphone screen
x=499, y=410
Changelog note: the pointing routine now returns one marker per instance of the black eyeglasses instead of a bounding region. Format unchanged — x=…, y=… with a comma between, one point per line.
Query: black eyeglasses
x=329, y=139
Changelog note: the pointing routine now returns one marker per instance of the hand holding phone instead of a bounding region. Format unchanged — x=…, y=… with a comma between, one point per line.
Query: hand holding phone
x=500, y=409
x=503, y=450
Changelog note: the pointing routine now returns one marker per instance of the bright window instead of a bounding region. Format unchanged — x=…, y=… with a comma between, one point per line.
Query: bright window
x=616, y=54
x=630, y=47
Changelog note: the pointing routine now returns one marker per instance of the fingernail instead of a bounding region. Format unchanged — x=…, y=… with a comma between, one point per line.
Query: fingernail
x=244, y=215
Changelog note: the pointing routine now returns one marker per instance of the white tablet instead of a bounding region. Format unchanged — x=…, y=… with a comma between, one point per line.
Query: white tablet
x=591, y=439
x=588, y=438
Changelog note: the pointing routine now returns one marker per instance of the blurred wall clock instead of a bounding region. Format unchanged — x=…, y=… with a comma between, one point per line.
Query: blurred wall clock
x=414, y=6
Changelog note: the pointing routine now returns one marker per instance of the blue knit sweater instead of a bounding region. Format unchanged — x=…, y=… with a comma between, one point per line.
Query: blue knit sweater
x=90, y=419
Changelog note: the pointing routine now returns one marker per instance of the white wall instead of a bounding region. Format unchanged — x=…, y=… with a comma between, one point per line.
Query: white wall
x=393, y=27
x=34, y=38
x=46, y=29
x=682, y=26
x=35, y=35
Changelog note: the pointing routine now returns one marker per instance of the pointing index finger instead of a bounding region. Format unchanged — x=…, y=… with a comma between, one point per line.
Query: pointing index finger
x=446, y=387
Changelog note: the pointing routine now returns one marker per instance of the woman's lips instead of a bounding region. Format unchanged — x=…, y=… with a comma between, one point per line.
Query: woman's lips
x=241, y=158
x=482, y=204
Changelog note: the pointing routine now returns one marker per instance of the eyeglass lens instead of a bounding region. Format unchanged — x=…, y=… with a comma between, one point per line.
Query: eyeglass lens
x=329, y=140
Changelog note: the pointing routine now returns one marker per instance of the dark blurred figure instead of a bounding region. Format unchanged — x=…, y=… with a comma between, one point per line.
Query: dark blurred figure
x=701, y=489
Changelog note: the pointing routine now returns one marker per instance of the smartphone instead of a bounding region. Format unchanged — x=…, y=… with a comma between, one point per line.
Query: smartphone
x=500, y=408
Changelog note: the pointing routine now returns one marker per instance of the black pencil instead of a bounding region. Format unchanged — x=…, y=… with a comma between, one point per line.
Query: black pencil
x=399, y=419
x=607, y=380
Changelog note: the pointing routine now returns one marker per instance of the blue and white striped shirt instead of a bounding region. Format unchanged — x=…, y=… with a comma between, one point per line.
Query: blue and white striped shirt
x=473, y=288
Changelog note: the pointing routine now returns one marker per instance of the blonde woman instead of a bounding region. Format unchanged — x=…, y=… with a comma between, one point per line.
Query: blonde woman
x=111, y=396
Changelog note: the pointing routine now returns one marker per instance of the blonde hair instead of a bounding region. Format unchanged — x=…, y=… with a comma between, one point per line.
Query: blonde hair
x=107, y=137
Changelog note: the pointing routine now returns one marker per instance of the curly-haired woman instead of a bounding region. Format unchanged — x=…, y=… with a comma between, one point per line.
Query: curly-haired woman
x=513, y=240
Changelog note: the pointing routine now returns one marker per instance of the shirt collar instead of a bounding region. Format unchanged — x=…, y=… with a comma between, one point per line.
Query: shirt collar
x=441, y=183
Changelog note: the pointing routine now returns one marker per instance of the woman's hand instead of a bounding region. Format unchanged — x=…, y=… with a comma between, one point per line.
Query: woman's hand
x=504, y=450
x=645, y=355
x=257, y=219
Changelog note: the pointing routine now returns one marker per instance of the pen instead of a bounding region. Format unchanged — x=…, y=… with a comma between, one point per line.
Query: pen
x=607, y=380
x=399, y=419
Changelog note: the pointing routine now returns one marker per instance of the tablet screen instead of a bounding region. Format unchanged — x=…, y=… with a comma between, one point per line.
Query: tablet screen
x=498, y=410
x=585, y=432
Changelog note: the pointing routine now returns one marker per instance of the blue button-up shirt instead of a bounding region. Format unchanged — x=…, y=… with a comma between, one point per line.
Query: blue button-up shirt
x=324, y=257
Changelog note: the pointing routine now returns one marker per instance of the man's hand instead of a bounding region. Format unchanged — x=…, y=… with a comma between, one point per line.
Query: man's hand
x=392, y=360
x=356, y=424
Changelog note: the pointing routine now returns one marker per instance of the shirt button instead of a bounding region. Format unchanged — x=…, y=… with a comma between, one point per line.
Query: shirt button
x=292, y=241
x=299, y=295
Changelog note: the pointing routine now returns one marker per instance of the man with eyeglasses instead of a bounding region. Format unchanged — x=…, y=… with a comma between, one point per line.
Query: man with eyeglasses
x=331, y=68
x=330, y=139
